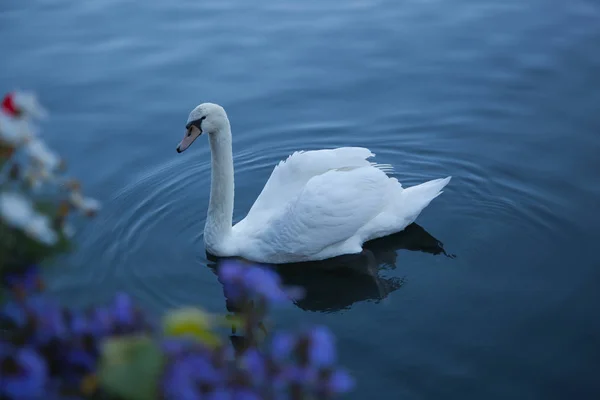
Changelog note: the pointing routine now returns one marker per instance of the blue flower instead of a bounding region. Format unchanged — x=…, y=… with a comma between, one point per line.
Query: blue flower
x=29, y=279
x=322, y=347
x=188, y=372
x=299, y=375
x=79, y=324
x=282, y=345
x=177, y=383
x=339, y=382
x=123, y=309
x=221, y=393
x=202, y=369
x=255, y=364
x=230, y=271
x=51, y=326
x=100, y=322
x=175, y=347
x=265, y=283
x=82, y=359
x=15, y=313
x=30, y=378
x=231, y=275
x=233, y=291
x=240, y=281
x=246, y=394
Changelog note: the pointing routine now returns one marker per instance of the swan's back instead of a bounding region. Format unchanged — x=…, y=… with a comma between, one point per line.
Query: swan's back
x=324, y=203
x=291, y=175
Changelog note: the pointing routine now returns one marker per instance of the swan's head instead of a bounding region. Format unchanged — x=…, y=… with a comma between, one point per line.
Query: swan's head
x=206, y=118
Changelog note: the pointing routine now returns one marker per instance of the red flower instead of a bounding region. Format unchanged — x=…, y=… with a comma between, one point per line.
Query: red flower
x=9, y=107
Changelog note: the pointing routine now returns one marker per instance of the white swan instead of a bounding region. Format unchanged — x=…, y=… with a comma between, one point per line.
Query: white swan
x=316, y=204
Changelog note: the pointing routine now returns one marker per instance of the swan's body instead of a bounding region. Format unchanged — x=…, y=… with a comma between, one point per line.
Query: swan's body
x=316, y=204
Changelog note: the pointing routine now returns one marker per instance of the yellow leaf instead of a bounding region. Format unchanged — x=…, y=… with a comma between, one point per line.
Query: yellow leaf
x=191, y=322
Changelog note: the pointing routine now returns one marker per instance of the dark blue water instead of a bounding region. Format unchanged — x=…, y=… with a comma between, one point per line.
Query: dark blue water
x=502, y=95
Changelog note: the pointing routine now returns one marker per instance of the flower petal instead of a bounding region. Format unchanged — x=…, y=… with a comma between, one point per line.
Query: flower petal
x=322, y=347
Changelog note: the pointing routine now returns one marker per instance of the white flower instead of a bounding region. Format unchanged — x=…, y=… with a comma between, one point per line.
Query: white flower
x=39, y=228
x=36, y=177
x=29, y=104
x=46, y=158
x=84, y=204
x=14, y=132
x=68, y=230
x=17, y=210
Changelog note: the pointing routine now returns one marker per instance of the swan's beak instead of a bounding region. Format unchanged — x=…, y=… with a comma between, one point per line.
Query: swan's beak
x=190, y=135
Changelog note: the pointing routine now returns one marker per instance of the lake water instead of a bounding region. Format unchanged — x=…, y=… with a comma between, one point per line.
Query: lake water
x=502, y=95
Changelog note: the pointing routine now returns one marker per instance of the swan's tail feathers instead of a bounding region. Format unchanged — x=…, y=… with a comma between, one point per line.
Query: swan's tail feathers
x=428, y=190
x=415, y=198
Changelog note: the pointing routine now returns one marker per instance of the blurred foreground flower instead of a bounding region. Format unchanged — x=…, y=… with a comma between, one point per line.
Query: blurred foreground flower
x=62, y=346
x=114, y=351
x=23, y=104
x=29, y=166
x=245, y=281
x=16, y=109
x=17, y=211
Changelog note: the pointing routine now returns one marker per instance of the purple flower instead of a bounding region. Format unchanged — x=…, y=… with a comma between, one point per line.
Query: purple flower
x=182, y=390
x=15, y=313
x=100, y=322
x=265, y=283
x=299, y=375
x=187, y=373
x=246, y=394
x=230, y=271
x=231, y=275
x=241, y=280
x=178, y=384
x=322, y=347
x=28, y=279
x=79, y=324
x=81, y=358
x=30, y=378
x=123, y=309
x=255, y=364
x=282, y=345
x=51, y=326
x=339, y=382
x=220, y=393
x=175, y=347
x=202, y=369
x=233, y=291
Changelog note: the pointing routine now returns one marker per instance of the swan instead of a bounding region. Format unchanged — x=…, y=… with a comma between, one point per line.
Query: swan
x=316, y=204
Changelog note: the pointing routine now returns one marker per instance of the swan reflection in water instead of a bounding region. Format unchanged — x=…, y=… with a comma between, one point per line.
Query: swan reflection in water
x=356, y=277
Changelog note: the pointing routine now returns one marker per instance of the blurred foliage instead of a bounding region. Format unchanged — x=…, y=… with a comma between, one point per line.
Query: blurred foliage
x=130, y=367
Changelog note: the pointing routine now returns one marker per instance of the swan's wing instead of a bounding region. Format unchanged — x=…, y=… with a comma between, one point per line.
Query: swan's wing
x=290, y=176
x=329, y=209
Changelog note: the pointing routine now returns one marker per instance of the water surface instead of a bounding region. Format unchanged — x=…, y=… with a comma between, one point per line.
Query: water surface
x=503, y=96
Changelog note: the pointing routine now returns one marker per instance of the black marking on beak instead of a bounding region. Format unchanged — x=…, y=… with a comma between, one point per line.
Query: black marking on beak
x=197, y=123
x=178, y=149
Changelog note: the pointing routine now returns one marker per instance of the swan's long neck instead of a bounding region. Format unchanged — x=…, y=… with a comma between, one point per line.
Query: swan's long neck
x=220, y=208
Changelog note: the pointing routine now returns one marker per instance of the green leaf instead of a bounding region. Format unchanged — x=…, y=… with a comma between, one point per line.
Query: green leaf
x=130, y=367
